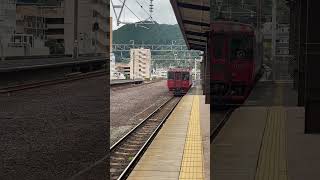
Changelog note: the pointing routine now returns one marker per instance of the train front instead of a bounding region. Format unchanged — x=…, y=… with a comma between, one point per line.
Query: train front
x=231, y=50
x=179, y=80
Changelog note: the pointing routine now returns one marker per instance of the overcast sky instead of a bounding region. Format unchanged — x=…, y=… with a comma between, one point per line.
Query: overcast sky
x=163, y=13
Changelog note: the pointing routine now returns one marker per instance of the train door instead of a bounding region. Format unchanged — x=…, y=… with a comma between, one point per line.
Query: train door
x=219, y=56
x=170, y=80
x=178, y=78
x=186, y=79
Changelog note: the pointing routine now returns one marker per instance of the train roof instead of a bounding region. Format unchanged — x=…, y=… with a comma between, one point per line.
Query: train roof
x=179, y=70
x=231, y=27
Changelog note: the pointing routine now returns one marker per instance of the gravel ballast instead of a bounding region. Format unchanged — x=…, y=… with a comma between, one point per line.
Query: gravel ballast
x=129, y=106
x=54, y=132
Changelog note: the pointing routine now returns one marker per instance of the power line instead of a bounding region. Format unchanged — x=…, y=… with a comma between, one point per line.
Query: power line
x=130, y=10
x=144, y=9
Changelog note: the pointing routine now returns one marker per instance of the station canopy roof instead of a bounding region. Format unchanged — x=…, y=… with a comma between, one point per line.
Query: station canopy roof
x=193, y=17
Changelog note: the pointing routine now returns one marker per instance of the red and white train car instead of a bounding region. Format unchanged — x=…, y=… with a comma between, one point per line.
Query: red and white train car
x=236, y=61
x=179, y=80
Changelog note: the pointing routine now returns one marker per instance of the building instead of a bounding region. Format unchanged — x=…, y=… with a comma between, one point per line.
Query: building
x=53, y=22
x=160, y=73
x=282, y=37
x=100, y=10
x=140, y=63
x=45, y=23
x=7, y=19
x=112, y=66
x=124, y=69
x=7, y=24
x=93, y=26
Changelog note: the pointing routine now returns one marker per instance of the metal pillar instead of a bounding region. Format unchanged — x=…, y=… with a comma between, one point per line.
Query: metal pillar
x=301, y=52
x=312, y=49
x=75, y=30
x=2, y=50
x=259, y=30
x=292, y=43
x=297, y=39
x=207, y=72
x=274, y=36
x=195, y=69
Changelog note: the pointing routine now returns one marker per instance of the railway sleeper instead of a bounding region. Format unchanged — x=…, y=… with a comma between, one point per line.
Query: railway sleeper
x=122, y=153
x=128, y=149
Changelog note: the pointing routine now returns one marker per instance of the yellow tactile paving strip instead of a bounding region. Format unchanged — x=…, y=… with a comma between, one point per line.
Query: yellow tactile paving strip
x=192, y=161
x=163, y=158
x=272, y=164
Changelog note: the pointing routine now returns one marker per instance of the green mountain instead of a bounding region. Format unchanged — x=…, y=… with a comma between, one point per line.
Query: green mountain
x=147, y=34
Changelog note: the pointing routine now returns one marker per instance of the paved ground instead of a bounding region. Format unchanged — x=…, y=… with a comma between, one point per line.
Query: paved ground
x=264, y=139
x=129, y=106
x=303, y=149
x=205, y=132
x=235, y=151
x=260, y=143
x=54, y=132
x=267, y=93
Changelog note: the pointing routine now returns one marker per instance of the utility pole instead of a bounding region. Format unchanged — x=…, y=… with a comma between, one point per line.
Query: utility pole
x=75, y=31
x=274, y=36
x=133, y=59
x=195, y=68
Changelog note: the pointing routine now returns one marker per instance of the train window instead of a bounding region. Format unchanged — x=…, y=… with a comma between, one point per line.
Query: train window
x=170, y=75
x=178, y=76
x=241, y=48
x=185, y=76
x=218, y=42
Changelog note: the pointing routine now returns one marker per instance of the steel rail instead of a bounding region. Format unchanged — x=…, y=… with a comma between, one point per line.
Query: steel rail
x=139, y=154
x=215, y=132
x=51, y=82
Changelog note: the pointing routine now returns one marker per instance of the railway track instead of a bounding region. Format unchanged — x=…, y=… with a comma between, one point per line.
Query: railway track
x=66, y=79
x=222, y=119
x=125, y=153
x=131, y=85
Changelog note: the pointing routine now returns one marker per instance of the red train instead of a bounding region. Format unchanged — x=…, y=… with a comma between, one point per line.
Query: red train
x=179, y=80
x=236, y=58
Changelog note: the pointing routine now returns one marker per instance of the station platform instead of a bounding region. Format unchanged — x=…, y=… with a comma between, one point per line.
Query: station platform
x=34, y=69
x=264, y=139
x=12, y=65
x=179, y=149
x=125, y=81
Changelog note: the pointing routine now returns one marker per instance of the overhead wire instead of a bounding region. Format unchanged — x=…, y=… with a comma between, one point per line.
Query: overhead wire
x=130, y=10
x=141, y=6
x=144, y=9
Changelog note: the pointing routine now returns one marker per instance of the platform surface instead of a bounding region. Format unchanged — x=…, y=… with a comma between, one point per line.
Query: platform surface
x=264, y=139
x=178, y=151
x=39, y=62
x=124, y=81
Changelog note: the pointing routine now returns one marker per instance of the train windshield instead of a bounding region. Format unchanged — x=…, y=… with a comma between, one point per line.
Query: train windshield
x=178, y=76
x=241, y=48
x=170, y=75
x=185, y=76
x=218, y=44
